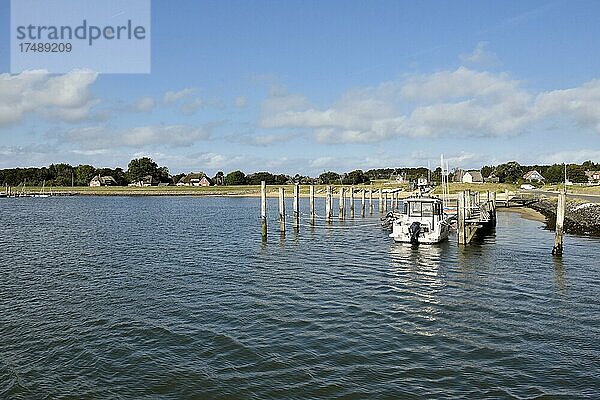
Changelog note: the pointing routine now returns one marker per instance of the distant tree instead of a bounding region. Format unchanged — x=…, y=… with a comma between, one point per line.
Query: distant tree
x=356, y=177
x=281, y=179
x=510, y=172
x=84, y=174
x=258, y=177
x=487, y=170
x=436, y=175
x=163, y=175
x=141, y=167
x=119, y=176
x=176, y=178
x=329, y=178
x=555, y=174
x=235, y=178
x=590, y=166
x=576, y=173
x=219, y=178
x=59, y=175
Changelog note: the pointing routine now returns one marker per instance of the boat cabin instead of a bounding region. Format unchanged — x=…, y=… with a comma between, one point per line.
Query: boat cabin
x=422, y=221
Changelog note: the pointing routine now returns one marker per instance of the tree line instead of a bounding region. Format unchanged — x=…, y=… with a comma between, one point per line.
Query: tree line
x=67, y=175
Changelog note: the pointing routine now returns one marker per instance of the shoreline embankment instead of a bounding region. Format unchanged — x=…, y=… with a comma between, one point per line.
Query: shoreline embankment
x=580, y=218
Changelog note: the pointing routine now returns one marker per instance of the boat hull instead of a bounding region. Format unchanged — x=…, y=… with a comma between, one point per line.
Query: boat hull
x=421, y=239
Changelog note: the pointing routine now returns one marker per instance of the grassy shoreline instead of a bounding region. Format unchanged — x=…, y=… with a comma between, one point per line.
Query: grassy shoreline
x=272, y=190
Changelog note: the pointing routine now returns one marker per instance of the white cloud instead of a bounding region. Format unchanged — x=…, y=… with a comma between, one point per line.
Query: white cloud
x=191, y=107
x=199, y=161
x=145, y=104
x=171, y=97
x=571, y=156
x=266, y=140
x=480, y=56
x=241, y=101
x=65, y=97
x=582, y=104
x=458, y=103
x=99, y=137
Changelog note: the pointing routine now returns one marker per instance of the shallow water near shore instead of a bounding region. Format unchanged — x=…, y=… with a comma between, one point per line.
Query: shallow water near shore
x=175, y=297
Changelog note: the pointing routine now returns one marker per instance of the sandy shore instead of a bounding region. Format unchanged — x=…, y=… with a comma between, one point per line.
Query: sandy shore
x=526, y=213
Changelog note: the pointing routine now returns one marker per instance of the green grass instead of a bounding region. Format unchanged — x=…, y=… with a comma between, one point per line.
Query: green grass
x=575, y=189
x=273, y=190
x=455, y=187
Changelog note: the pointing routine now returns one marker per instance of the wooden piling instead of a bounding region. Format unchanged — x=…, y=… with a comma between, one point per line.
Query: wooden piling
x=493, y=199
x=380, y=202
x=461, y=209
x=296, y=206
x=370, y=201
x=467, y=204
x=282, y=209
x=342, y=202
x=312, y=204
x=328, y=202
x=362, y=203
x=557, y=250
x=263, y=208
x=352, y=202
x=385, y=202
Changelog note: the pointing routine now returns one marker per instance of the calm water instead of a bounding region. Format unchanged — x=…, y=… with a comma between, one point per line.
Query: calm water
x=179, y=298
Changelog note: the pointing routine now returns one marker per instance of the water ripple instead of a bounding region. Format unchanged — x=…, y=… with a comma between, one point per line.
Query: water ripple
x=179, y=298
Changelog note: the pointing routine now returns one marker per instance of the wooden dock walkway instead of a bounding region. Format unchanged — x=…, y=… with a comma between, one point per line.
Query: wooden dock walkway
x=474, y=214
x=516, y=199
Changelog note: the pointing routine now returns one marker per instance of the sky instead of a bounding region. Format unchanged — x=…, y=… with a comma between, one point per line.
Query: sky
x=312, y=86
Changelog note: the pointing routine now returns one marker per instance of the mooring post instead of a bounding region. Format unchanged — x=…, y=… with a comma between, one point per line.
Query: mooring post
x=380, y=202
x=460, y=231
x=493, y=197
x=467, y=203
x=385, y=202
x=351, y=201
x=296, y=206
x=342, y=202
x=557, y=250
x=311, y=205
x=328, y=204
x=370, y=201
x=362, y=203
x=282, y=209
x=263, y=208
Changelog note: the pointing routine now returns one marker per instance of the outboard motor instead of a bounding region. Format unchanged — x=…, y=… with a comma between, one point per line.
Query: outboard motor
x=414, y=229
x=388, y=220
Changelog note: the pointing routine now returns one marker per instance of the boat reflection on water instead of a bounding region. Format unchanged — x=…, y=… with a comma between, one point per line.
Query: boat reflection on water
x=407, y=256
x=417, y=276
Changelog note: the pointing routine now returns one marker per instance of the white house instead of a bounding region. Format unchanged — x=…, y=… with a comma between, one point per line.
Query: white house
x=199, y=179
x=98, y=181
x=533, y=176
x=472, y=177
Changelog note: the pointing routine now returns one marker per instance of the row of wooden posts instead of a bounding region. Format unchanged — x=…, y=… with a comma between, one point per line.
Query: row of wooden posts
x=472, y=212
x=385, y=198
x=8, y=191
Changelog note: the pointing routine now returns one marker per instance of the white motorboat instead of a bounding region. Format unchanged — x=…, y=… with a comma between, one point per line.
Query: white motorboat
x=422, y=220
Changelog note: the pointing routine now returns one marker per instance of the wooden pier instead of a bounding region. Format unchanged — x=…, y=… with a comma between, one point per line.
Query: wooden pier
x=474, y=214
x=516, y=199
x=476, y=211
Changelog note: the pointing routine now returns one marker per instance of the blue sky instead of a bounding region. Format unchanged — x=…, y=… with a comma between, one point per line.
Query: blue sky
x=307, y=86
